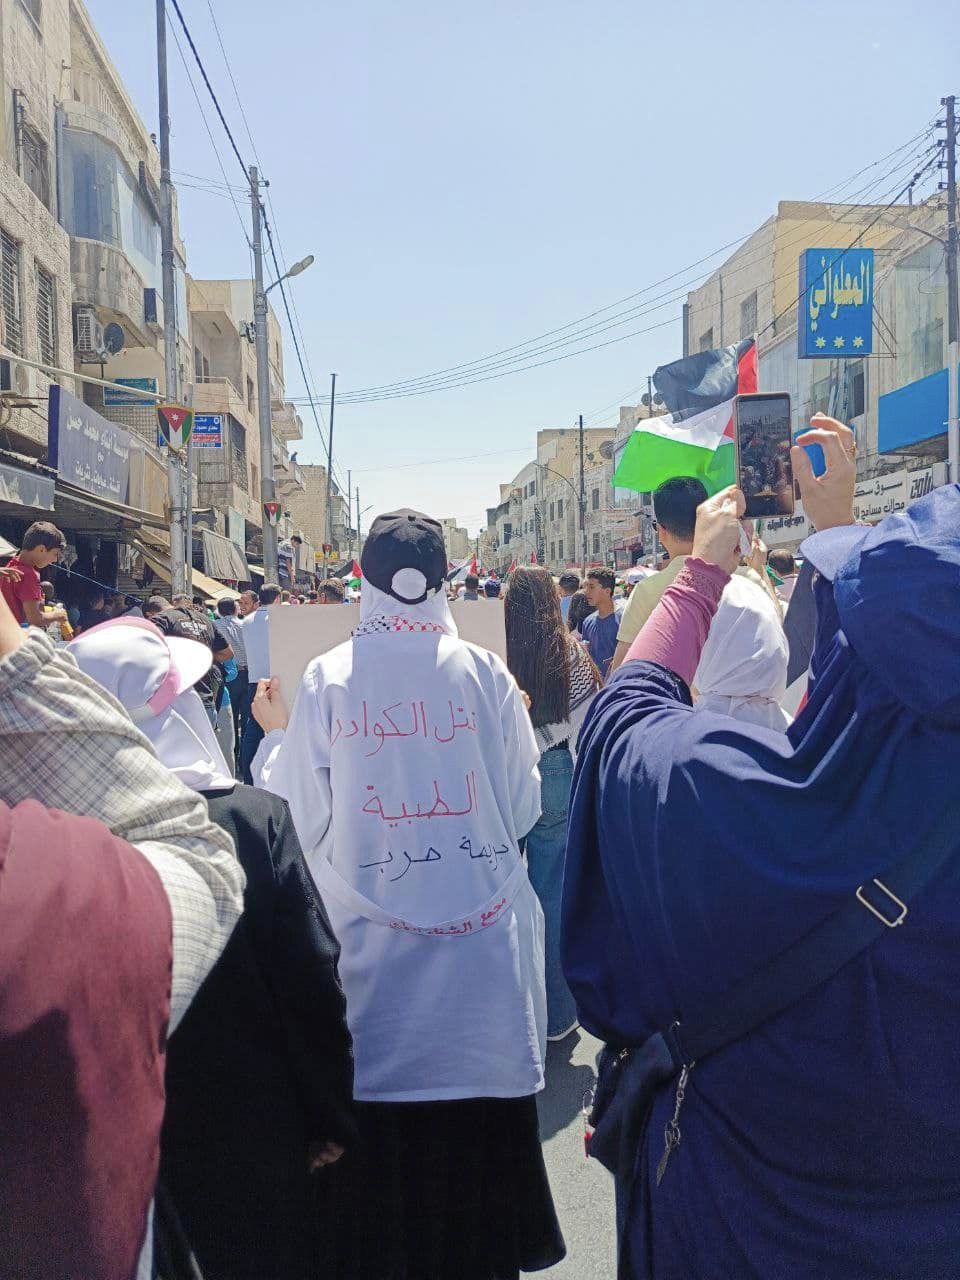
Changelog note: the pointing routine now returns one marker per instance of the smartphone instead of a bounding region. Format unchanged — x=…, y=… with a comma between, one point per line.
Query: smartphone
x=764, y=471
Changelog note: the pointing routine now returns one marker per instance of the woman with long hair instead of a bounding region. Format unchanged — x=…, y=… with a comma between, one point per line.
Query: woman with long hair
x=560, y=679
x=579, y=609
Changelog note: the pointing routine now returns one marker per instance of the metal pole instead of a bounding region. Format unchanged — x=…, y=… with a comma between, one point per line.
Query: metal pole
x=268, y=488
x=169, y=281
x=953, y=305
x=349, y=516
x=329, y=512
x=583, y=503
x=359, y=535
x=188, y=503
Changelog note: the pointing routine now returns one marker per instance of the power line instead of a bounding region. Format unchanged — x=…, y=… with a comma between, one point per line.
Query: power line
x=481, y=364
x=206, y=81
x=451, y=381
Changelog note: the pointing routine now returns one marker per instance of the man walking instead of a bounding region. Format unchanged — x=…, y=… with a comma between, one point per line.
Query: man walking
x=256, y=642
x=569, y=585
x=599, y=630
x=230, y=626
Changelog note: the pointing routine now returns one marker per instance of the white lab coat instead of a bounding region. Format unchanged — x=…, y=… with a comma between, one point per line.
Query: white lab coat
x=410, y=767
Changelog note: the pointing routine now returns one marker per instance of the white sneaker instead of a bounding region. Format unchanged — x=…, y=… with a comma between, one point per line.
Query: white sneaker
x=563, y=1034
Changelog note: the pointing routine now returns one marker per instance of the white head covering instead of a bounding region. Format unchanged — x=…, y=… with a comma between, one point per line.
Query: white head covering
x=434, y=612
x=153, y=676
x=743, y=666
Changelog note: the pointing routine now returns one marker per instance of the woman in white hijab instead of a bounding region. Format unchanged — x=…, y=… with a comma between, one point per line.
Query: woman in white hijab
x=743, y=665
x=259, y=1073
x=410, y=766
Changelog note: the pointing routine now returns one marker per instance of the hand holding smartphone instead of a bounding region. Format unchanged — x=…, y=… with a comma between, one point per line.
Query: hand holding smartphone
x=764, y=468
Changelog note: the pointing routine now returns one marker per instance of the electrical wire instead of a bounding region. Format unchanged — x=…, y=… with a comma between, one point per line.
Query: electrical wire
x=609, y=322
x=210, y=90
x=452, y=381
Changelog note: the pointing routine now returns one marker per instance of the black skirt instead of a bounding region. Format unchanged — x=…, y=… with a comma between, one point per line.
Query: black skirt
x=443, y=1191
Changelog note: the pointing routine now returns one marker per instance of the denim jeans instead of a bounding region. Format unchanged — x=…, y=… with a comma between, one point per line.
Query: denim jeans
x=546, y=847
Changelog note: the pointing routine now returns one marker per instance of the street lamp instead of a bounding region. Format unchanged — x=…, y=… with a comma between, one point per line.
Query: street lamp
x=295, y=270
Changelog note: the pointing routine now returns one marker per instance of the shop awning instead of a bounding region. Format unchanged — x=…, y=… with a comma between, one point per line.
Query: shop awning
x=256, y=570
x=223, y=558
x=209, y=588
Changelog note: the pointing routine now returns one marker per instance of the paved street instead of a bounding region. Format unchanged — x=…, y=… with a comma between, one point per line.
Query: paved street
x=582, y=1189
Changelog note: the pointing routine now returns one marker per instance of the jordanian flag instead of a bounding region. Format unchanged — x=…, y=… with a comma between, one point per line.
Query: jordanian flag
x=696, y=436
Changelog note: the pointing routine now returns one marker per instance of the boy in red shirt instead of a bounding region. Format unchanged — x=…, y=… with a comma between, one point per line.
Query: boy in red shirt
x=20, y=581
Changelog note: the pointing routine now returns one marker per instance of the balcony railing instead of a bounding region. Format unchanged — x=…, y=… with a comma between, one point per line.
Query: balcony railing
x=216, y=394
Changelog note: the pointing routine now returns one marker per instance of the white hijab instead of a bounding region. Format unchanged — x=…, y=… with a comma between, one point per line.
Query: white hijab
x=132, y=663
x=185, y=742
x=743, y=666
x=376, y=605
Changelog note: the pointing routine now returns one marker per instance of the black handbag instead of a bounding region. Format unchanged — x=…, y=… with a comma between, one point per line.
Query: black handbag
x=630, y=1076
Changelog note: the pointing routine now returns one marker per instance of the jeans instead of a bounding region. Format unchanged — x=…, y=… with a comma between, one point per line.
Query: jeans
x=240, y=702
x=252, y=737
x=546, y=848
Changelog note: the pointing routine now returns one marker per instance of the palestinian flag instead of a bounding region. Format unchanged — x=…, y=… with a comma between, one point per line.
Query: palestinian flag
x=696, y=437
x=353, y=574
x=176, y=425
x=459, y=571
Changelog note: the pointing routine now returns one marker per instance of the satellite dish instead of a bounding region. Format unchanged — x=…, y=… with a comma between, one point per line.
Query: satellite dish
x=658, y=398
x=645, y=400
x=114, y=338
x=606, y=450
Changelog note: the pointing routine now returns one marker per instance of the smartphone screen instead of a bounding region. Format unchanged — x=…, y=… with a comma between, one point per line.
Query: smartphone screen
x=764, y=470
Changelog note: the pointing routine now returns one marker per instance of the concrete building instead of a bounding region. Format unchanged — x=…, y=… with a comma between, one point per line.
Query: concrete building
x=458, y=541
x=35, y=288
x=224, y=374
x=307, y=507
x=895, y=400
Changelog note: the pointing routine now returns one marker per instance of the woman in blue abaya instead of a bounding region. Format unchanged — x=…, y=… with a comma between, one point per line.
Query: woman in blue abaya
x=825, y=1142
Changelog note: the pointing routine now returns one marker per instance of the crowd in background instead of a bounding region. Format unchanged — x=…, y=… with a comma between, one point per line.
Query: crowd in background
x=295, y=1025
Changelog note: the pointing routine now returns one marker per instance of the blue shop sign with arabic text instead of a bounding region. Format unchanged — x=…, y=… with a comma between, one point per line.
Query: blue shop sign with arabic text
x=86, y=450
x=836, y=304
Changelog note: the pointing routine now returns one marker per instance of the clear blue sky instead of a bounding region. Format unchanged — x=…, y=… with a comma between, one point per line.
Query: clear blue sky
x=471, y=175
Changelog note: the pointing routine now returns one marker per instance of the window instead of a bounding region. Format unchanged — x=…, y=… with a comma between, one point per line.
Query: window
x=533, y=488
x=706, y=340
x=551, y=512
x=33, y=7
x=254, y=483
x=560, y=549
x=10, y=293
x=595, y=500
x=34, y=165
x=748, y=316
x=197, y=364
x=507, y=532
x=206, y=369
x=250, y=394
x=560, y=517
x=596, y=544
x=553, y=551
x=856, y=388
x=926, y=345
x=46, y=316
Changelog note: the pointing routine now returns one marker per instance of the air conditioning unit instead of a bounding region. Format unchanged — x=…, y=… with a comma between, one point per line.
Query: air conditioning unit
x=88, y=339
x=17, y=383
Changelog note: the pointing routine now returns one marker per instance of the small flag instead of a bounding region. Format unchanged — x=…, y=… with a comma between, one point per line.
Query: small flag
x=696, y=437
x=176, y=425
x=533, y=558
x=272, y=511
x=513, y=565
x=473, y=566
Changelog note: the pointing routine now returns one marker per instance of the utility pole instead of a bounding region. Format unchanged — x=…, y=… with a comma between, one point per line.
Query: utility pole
x=953, y=306
x=268, y=488
x=583, y=503
x=329, y=511
x=169, y=282
x=359, y=539
x=349, y=516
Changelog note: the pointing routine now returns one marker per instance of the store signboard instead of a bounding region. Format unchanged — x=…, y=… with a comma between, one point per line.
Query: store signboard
x=208, y=431
x=836, y=304
x=885, y=495
x=86, y=450
x=26, y=488
x=114, y=398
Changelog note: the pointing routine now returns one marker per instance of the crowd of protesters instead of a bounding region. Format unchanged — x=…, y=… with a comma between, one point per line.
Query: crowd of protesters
x=276, y=982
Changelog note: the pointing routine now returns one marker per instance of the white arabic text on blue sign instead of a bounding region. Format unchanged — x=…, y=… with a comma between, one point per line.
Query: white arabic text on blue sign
x=835, y=311
x=85, y=449
x=115, y=399
x=208, y=431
